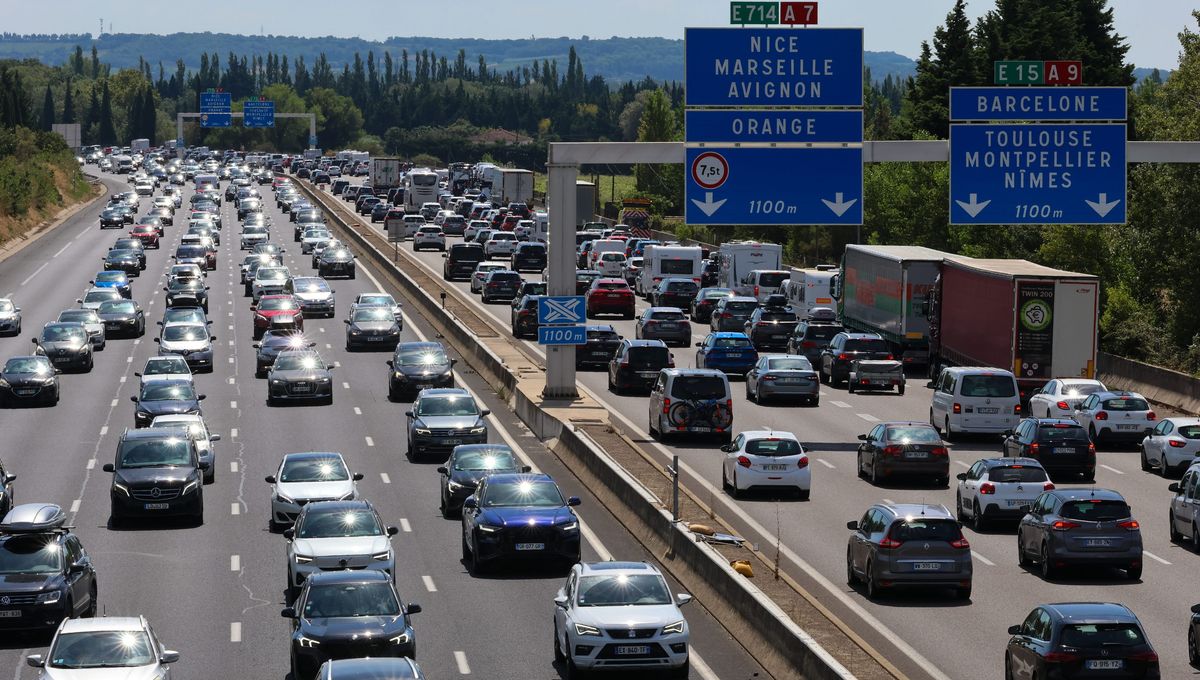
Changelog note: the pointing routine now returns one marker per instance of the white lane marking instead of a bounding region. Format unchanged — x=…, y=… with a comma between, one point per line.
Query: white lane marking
x=405, y=526
x=1156, y=558
x=114, y=403
x=233, y=432
x=345, y=385
x=867, y=417
x=104, y=429
x=60, y=251
x=328, y=346
x=91, y=465
x=983, y=559
x=231, y=314
x=231, y=343
x=826, y=463
x=322, y=329
x=429, y=583
x=370, y=442
x=235, y=509
x=122, y=378
x=357, y=411
x=138, y=341
x=840, y=404
x=233, y=404
x=235, y=563
x=35, y=273
x=129, y=360
x=75, y=505
x=384, y=476
x=959, y=462
x=233, y=466
x=460, y=658
x=888, y=501
x=230, y=326
x=231, y=381
x=1111, y=469
x=235, y=631
x=231, y=360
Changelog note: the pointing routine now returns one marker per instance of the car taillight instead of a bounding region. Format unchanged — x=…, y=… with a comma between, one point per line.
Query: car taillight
x=768, y=378
x=1047, y=486
x=1176, y=444
x=1033, y=449
x=1017, y=410
x=671, y=361
x=1101, y=415
x=958, y=408
x=726, y=315
x=961, y=543
x=1061, y=525
x=1151, y=416
x=1149, y=656
x=756, y=291
x=1063, y=406
x=1060, y=657
x=843, y=357
x=666, y=404
x=893, y=450
x=940, y=451
x=1130, y=524
x=889, y=357
x=743, y=461
x=987, y=488
x=888, y=542
x=808, y=343
x=1091, y=449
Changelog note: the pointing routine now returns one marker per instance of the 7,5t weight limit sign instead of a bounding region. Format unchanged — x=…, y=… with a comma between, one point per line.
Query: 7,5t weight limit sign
x=710, y=170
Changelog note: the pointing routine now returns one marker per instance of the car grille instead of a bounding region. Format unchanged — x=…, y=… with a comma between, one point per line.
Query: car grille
x=343, y=562
x=26, y=390
x=448, y=432
x=19, y=599
x=301, y=387
x=354, y=650
x=150, y=495
x=637, y=633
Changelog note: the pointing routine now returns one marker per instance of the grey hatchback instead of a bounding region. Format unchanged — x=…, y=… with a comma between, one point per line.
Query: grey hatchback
x=1080, y=526
x=908, y=545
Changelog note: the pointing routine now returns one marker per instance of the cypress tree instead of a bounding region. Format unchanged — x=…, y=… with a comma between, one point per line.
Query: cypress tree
x=107, y=133
x=68, y=115
x=48, y=109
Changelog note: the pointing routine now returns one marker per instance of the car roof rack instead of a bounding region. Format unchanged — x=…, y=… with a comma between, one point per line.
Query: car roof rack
x=30, y=518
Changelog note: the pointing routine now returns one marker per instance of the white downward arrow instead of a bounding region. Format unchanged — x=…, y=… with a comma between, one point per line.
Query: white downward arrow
x=974, y=207
x=708, y=206
x=1103, y=206
x=838, y=206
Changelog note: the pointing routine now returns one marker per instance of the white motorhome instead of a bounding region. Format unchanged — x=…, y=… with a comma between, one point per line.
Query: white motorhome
x=661, y=261
x=810, y=288
x=737, y=259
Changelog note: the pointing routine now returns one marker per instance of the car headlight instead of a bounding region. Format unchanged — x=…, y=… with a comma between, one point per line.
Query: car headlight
x=354, y=332
x=478, y=430
x=190, y=487
x=276, y=382
x=309, y=642
x=143, y=414
x=455, y=486
x=4, y=383
x=422, y=431
x=303, y=559
x=584, y=629
x=322, y=380
x=284, y=499
x=673, y=628
x=401, y=639
x=398, y=375
x=489, y=529
x=121, y=487
x=385, y=555
x=569, y=526
x=50, y=597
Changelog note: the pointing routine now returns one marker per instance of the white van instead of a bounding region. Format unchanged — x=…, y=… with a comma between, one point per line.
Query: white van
x=809, y=288
x=974, y=399
x=763, y=283
x=604, y=246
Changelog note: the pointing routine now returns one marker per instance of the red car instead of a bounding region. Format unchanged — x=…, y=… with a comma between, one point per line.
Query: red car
x=147, y=234
x=510, y=222
x=270, y=307
x=609, y=296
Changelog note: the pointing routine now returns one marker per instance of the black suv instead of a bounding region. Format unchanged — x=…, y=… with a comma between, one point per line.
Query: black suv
x=602, y=342
x=674, y=292
x=770, y=328
x=461, y=260
x=45, y=574
x=336, y=262
x=636, y=364
x=157, y=473
x=845, y=349
x=524, y=317
x=529, y=257
x=1061, y=445
x=810, y=337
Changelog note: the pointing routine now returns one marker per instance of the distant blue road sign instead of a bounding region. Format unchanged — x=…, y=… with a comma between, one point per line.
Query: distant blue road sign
x=1034, y=173
x=773, y=67
x=258, y=114
x=312, y=141
x=562, y=335
x=561, y=309
x=774, y=126
x=775, y=186
x=1038, y=103
x=215, y=108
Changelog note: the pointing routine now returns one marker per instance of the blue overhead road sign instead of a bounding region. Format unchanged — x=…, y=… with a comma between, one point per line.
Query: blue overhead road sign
x=561, y=309
x=1037, y=173
x=562, y=335
x=774, y=126
x=258, y=114
x=773, y=67
x=786, y=185
x=1037, y=103
x=215, y=108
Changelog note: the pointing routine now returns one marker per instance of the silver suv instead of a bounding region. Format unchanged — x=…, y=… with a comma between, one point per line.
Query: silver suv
x=908, y=545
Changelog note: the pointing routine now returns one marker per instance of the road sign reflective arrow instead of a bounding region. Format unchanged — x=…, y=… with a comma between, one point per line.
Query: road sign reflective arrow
x=1103, y=206
x=838, y=206
x=708, y=206
x=974, y=207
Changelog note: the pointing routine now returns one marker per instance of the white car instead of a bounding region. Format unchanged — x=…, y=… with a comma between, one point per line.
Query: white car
x=524, y=230
x=766, y=459
x=165, y=367
x=1000, y=488
x=338, y=535
x=186, y=271
x=199, y=433
x=1116, y=416
x=104, y=648
x=91, y=321
x=413, y=222
x=1172, y=445
x=441, y=216
x=378, y=300
x=611, y=615
x=307, y=477
x=312, y=237
x=269, y=281
x=500, y=244
x=1059, y=397
x=611, y=264
x=481, y=271
x=473, y=228
x=144, y=188
x=429, y=236
x=94, y=297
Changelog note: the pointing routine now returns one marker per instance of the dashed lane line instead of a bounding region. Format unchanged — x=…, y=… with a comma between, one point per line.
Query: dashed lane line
x=384, y=477
x=460, y=658
x=405, y=526
x=429, y=584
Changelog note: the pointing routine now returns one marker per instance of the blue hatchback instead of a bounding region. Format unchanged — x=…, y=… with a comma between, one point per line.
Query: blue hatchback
x=727, y=352
x=114, y=279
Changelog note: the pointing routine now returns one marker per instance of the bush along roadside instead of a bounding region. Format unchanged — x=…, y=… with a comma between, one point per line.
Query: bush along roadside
x=38, y=177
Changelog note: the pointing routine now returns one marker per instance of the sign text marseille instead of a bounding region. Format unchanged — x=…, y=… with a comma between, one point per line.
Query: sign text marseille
x=215, y=109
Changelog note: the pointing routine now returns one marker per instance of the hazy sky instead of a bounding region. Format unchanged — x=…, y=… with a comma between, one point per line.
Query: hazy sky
x=1151, y=26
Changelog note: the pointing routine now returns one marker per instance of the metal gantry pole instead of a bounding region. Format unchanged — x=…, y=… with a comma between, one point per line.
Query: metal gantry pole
x=560, y=272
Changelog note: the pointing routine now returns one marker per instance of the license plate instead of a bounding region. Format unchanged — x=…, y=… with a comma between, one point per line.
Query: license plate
x=917, y=454
x=927, y=566
x=376, y=338
x=989, y=409
x=27, y=392
x=1018, y=503
x=1097, y=542
x=613, y=296
x=793, y=381
x=530, y=546
x=1063, y=449
x=779, y=337
x=301, y=387
x=733, y=355
x=156, y=506
x=774, y=467
x=632, y=650
x=1129, y=427
x=10, y=613
x=647, y=374
x=451, y=442
x=1105, y=664
x=881, y=382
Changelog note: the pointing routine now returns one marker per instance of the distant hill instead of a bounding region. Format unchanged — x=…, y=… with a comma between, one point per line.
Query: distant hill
x=617, y=59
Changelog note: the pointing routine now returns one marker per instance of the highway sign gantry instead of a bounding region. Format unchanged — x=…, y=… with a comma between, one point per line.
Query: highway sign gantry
x=258, y=114
x=216, y=109
x=1037, y=103
x=773, y=126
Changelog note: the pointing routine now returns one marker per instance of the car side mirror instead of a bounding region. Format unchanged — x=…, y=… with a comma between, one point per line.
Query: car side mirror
x=1173, y=487
x=357, y=476
x=1014, y=630
x=484, y=413
x=289, y=533
x=526, y=468
x=682, y=599
x=35, y=661
x=288, y=612
x=852, y=525
x=443, y=470
x=80, y=300
x=390, y=363
x=1196, y=609
x=412, y=608
x=158, y=339
x=33, y=340
x=470, y=503
x=133, y=399
x=205, y=465
x=201, y=397
x=109, y=467
x=408, y=414
x=256, y=346
x=392, y=531
x=453, y=362
x=269, y=479
x=158, y=323
x=862, y=437
x=214, y=437
x=445, y=255
x=573, y=501
x=961, y=476
x=726, y=448
x=1008, y=433
x=346, y=321
x=58, y=371
x=699, y=344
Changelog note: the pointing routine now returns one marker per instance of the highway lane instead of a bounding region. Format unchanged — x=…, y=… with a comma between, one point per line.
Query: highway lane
x=214, y=592
x=815, y=531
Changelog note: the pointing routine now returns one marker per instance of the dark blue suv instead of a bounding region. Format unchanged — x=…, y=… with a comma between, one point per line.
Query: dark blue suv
x=517, y=516
x=727, y=352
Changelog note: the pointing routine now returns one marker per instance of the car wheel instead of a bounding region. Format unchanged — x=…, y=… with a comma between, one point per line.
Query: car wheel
x=1047, y=567
x=1145, y=461
x=733, y=488
x=682, y=672
x=849, y=386
x=474, y=565
x=978, y=522
x=749, y=395
x=1195, y=538
x=947, y=431
x=872, y=586
x=851, y=577
x=875, y=476
x=559, y=657
x=958, y=509
x=1193, y=647
x=1134, y=573
x=724, y=478
x=1092, y=434
x=1176, y=537
x=93, y=606
x=862, y=474
x=211, y=475
x=963, y=593
x=1022, y=559
x=803, y=494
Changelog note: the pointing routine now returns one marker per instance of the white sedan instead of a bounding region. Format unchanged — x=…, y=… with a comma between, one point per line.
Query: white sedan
x=308, y=477
x=765, y=459
x=1171, y=446
x=1060, y=396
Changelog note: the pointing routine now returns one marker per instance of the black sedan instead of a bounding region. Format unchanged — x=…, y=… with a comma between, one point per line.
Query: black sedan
x=602, y=343
x=417, y=365
x=336, y=262
x=299, y=375
x=274, y=342
x=122, y=260
x=29, y=380
x=122, y=317
x=66, y=345
x=112, y=218
x=373, y=327
x=165, y=397
x=468, y=464
x=186, y=293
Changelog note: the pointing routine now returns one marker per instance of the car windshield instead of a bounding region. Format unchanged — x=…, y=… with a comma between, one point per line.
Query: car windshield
x=336, y=254
x=983, y=385
x=789, y=317
x=732, y=343
x=118, y=307
x=485, y=459
x=914, y=434
x=101, y=649
x=421, y=356
x=165, y=366
x=603, y=335
x=310, y=286
x=376, y=313
x=79, y=316
x=30, y=555
x=121, y=253
x=253, y=229
x=918, y=529
x=351, y=600
x=160, y=391
x=299, y=362
x=63, y=333
x=155, y=453
x=613, y=257
x=789, y=364
x=682, y=287
x=100, y=295
x=699, y=387
x=277, y=304
x=717, y=293
x=110, y=277
x=339, y=524
x=37, y=365
x=612, y=285
x=185, y=333
x=525, y=493
x=622, y=590
x=1126, y=404
x=317, y=469
x=1017, y=473
x=1081, y=390
x=1095, y=510
x=1102, y=635
x=190, y=251
x=449, y=405
x=772, y=446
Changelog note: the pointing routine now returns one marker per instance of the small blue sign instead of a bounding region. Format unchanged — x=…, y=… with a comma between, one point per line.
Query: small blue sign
x=312, y=141
x=258, y=114
x=1034, y=173
x=775, y=186
x=562, y=335
x=1037, y=103
x=561, y=309
x=729, y=127
x=773, y=67
x=215, y=108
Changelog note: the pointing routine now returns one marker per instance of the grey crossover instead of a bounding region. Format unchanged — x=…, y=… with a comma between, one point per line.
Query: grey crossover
x=898, y=545
x=441, y=419
x=1093, y=527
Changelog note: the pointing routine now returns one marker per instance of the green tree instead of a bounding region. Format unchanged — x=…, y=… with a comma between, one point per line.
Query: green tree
x=659, y=124
x=47, y=109
x=107, y=132
x=950, y=63
x=339, y=121
x=68, y=115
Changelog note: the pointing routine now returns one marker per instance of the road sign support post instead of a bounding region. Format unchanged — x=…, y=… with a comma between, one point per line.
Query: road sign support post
x=560, y=271
x=180, y=117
